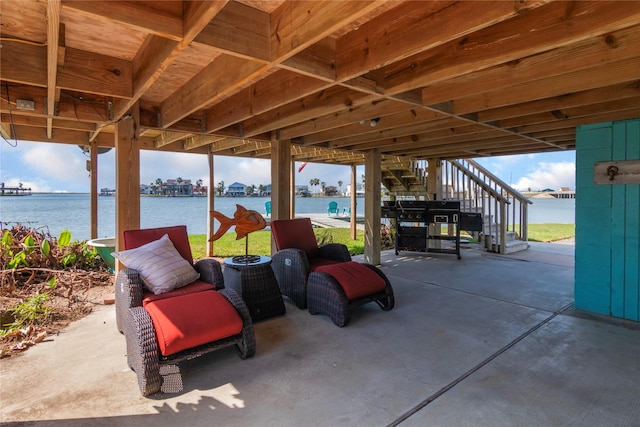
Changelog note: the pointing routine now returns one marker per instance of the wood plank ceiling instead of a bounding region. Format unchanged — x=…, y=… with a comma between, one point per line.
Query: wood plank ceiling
x=438, y=79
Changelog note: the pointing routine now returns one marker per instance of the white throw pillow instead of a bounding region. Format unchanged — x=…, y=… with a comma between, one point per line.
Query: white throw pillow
x=160, y=265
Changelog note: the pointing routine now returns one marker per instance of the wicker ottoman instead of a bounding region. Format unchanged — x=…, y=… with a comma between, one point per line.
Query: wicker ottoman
x=336, y=289
x=256, y=283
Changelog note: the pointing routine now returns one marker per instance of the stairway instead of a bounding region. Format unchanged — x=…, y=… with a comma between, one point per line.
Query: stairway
x=404, y=178
x=504, y=210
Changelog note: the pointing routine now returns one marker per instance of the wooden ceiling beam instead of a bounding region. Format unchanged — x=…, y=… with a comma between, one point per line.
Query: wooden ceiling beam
x=318, y=60
x=587, y=79
x=166, y=138
x=584, y=111
x=226, y=144
x=239, y=30
x=299, y=24
x=271, y=92
x=294, y=27
x=404, y=122
x=88, y=109
x=62, y=136
x=406, y=30
x=215, y=82
x=622, y=44
x=157, y=53
x=449, y=135
x=605, y=117
x=588, y=97
x=197, y=141
x=355, y=114
x=53, y=41
x=556, y=24
x=460, y=150
x=161, y=18
x=24, y=63
x=93, y=73
x=23, y=120
x=401, y=131
x=329, y=101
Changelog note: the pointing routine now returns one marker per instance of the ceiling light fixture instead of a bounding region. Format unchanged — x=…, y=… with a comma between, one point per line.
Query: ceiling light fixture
x=374, y=122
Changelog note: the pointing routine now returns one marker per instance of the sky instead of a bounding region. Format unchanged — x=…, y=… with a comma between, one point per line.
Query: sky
x=46, y=167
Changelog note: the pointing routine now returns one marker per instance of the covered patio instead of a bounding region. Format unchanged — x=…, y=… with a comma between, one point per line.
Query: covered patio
x=490, y=340
x=487, y=340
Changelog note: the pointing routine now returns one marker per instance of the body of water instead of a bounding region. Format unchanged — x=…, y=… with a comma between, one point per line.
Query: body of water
x=56, y=212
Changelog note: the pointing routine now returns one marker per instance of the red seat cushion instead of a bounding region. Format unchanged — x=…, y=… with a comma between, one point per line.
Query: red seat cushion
x=191, y=320
x=357, y=280
x=191, y=288
x=314, y=263
x=295, y=233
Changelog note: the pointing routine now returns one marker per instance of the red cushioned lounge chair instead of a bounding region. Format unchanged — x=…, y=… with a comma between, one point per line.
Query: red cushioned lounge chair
x=162, y=329
x=298, y=254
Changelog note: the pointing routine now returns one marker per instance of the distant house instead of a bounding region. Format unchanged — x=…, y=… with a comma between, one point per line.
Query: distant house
x=302, y=191
x=145, y=189
x=236, y=190
x=330, y=191
x=173, y=187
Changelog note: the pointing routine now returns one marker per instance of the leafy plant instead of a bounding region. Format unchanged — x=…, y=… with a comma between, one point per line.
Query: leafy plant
x=33, y=310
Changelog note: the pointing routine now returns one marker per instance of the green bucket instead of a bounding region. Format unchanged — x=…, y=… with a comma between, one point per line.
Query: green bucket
x=105, y=247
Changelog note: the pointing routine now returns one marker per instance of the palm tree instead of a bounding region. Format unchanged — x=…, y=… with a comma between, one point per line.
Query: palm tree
x=323, y=185
x=158, y=185
x=340, y=186
x=315, y=182
x=179, y=180
x=261, y=189
x=220, y=188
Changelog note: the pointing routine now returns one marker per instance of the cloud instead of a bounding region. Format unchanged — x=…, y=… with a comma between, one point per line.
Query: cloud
x=549, y=175
x=44, y=167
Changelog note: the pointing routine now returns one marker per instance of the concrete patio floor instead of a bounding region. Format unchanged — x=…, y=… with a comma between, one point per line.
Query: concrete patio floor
x=488, y=340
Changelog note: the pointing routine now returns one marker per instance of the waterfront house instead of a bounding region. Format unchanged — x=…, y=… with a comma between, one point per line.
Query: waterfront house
x=237, y=189
x=146, y=189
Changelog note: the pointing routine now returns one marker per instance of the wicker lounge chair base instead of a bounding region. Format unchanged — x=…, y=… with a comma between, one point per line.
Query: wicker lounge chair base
x=299, y=254
x=157, y=373
x=325, y=295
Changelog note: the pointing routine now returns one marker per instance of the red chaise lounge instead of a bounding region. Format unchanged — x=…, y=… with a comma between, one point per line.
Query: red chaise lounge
x=171, y=310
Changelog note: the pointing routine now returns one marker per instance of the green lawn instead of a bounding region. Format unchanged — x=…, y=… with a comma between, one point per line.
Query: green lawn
x=260, y=241
x=551, y=232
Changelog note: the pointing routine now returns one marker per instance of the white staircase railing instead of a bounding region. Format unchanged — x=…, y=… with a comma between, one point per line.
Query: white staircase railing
x=504, y=210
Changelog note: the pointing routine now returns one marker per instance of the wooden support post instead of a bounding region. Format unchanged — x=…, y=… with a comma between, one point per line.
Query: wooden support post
x=93, y=192
x=127, y=177
x=292, y=189
x=434, y=188
x=372, y=200
x=210, y=204
x=353, y=204
x=280, y=182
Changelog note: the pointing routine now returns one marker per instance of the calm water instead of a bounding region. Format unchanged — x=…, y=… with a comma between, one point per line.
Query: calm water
x=57, y=212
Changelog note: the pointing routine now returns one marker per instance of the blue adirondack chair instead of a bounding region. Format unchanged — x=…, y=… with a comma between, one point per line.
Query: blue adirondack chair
x=267, y=206
x=333, y=208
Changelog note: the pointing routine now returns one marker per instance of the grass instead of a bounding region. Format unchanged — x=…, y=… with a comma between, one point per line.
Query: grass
x=551, y=232
x=260, y=241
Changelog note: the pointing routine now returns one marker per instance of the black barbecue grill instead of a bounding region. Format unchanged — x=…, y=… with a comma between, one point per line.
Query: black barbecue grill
x=413, y=219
